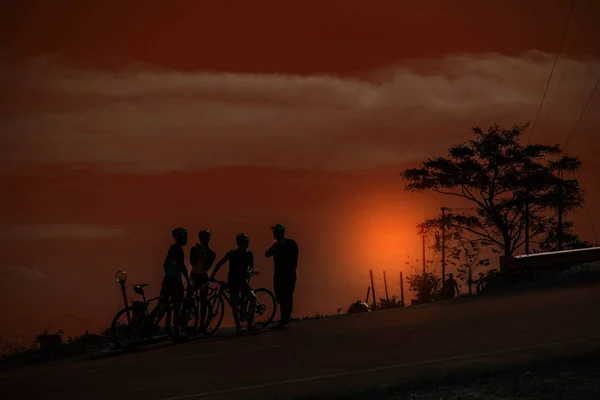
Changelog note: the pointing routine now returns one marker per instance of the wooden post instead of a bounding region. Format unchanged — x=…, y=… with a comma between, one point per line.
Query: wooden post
x=527, y=217
x=423, y=233
x=401, y=289
x=387, y=297
x=560, y=210
x=373, y=290
x=443, y=244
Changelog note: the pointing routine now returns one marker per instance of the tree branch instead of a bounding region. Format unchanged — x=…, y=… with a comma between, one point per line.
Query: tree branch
x=451, y=193
x=490, y=238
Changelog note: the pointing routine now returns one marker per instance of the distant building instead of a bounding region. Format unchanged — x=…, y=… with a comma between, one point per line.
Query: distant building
x=555, y=260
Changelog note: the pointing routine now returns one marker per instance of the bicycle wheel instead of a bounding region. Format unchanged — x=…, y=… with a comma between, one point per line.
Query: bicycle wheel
x=129, y=327
x=265, y=309
x=190, y=317
x=214, y=314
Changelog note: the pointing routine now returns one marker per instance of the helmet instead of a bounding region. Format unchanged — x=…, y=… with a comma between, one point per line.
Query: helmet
x=242, y=238
x=204, y=235
x=179, y=231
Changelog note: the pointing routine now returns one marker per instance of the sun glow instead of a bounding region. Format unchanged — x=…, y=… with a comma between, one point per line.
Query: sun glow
x=387, y=230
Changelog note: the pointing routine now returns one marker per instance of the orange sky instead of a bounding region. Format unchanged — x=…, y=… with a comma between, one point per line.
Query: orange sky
x=120, y=122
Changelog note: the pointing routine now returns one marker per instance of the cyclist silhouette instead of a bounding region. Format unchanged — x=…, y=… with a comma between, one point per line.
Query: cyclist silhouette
x=174, y=267
x=201, y=258
x=241, y=264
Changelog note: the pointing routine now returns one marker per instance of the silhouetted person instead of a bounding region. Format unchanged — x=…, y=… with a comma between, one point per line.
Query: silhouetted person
x=174, y=267
x=285, y=262
x=450, y=287
x=201, y=258
x=241, y=265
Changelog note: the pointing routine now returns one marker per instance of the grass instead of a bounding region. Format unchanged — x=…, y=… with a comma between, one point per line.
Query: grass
x=21, y=352
x=574, y=378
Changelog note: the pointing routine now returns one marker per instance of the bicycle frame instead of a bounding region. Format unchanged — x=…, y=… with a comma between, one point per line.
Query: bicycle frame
x=223, y=289
x=145, y=305
x=224, y=293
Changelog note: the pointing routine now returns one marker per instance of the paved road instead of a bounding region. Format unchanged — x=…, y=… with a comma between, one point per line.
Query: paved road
x=323, y=356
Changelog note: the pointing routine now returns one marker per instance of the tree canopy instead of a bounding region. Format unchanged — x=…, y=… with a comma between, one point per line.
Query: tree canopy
x=509, y=185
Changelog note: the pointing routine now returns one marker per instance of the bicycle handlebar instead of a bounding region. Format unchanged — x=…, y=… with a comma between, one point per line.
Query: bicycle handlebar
x=250, y=274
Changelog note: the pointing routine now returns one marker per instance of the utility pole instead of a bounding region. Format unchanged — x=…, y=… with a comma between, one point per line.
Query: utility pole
x=367, y=296
x=401, y=289
x=373, y=289
x=444, y=244
x=423, y=235
x=560, y=210
x=527, y=189
x=387, y=298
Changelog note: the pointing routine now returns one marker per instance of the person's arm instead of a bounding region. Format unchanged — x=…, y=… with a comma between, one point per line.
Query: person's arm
x=210, y=260
x=220, y=264
x=183, y=267
x=186, y=275
x=271, y=250
x=251, y=262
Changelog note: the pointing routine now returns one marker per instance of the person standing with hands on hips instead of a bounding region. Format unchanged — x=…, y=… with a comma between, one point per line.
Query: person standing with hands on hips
x=285, y=263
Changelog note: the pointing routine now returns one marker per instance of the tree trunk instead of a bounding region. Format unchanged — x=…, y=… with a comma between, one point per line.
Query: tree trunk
x=470, y=280
x=507, y=243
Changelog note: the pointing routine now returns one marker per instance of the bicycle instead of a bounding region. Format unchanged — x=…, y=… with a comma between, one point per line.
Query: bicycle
x=217, y=309
x=141, y=324
x=191, y=310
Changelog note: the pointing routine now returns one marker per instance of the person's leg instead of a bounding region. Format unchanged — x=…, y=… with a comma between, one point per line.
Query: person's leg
x=178, y=296
x=203, y=296
x=285, y=295
x=290, y=298
x=279, y=294
x=161, y=307
x=235, y=305
x=287, y=300
x=252, y=300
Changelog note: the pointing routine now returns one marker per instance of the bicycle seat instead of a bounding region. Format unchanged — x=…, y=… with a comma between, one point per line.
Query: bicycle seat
x=139, y=289
x=141, y=285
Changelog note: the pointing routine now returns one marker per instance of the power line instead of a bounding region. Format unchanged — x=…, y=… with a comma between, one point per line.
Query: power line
x=560, y=80
x=562, y=39
x=587, y=103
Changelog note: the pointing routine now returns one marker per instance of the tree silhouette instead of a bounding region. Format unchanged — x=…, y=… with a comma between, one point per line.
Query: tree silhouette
x=426, y=286
x=509, y=185
x=466, y=259
x=569, y=239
